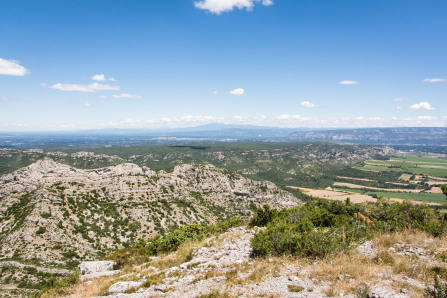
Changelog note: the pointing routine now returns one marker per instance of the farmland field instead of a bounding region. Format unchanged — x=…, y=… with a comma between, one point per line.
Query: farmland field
x=422, y=196
x=409, y=164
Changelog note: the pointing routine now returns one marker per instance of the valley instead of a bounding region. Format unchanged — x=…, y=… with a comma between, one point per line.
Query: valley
x=62, y=207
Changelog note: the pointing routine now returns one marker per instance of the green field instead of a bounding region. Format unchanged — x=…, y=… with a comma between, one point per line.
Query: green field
x=409, y=164
x=423, y=196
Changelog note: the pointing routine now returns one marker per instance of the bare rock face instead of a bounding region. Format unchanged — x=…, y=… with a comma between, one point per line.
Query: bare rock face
x=47, y=171
x=58, y=215
x=94, y=269
x=96, y=266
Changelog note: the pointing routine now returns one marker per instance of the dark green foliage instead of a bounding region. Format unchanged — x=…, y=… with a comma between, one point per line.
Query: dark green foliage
x=390, y=217
x=444, y=189
x=41, y=230
x=322, y=227
x=263, y=216
x=171, y=241
x=57, y=287
x=70, y=254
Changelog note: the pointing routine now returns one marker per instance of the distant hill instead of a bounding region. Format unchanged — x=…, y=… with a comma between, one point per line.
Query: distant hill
x=395, y=135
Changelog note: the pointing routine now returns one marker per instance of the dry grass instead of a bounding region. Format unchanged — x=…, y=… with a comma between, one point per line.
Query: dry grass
x=97, y=287
x=414, y=237
x=183, y=254
x=346, y=271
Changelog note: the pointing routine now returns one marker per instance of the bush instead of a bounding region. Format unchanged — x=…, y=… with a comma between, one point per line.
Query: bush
x=263, y=216
x=41, y=230
x=190, y=233
x=322, y=227
x=55, y=287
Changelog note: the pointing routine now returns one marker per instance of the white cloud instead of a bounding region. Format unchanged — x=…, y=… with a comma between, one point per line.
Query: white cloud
x=87, y=104
x=434, y=80
x=215, y=92
x=12, y=68
x=400, y=99
x=308, y=104
x=112, y=79
x=237, y=91
x=99, y=77
x=84, y=88
x=347, y=82
x=219, y=6
x=423, y=105
x=399, y=107
x=427, y=118
x=126, y=95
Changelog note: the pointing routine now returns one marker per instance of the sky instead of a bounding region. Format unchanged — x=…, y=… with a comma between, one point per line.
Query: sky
x=68, y=65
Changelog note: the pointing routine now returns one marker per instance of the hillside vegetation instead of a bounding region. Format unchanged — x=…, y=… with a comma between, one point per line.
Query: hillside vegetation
x=320, y=249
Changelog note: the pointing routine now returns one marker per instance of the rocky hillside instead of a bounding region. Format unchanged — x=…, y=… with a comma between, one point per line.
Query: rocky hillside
x=299, y=164
x=221, y=266
x=53, y=215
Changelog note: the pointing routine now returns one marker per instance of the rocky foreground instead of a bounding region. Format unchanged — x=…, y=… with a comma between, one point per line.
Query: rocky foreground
x=54, y=216
x=222, y=266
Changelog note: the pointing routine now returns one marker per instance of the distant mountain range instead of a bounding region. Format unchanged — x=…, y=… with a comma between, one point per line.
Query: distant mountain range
x=395, y=135
x=221, y=132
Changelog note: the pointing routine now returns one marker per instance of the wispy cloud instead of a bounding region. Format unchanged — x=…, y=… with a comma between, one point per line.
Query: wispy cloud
x=347, y=82
x=84, y=88
x=215, y=92
x=7, y=99
x=400, y=99
x=399, y=107
x=434, y=80
x=423, y=105
x=237, y=91
x=219, y=6
x=87, y=104
x=12, y=68
x=308, y=104
x=126, y=95
x=427, y=117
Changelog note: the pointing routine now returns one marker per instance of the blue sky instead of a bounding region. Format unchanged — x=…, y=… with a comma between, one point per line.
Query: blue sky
x=176, y=63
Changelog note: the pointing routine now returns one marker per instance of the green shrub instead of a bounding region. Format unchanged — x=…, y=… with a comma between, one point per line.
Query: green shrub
x=190, y=233
x=263, y=216
x=41, y=230
x=322, y=227
x=56, y=287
